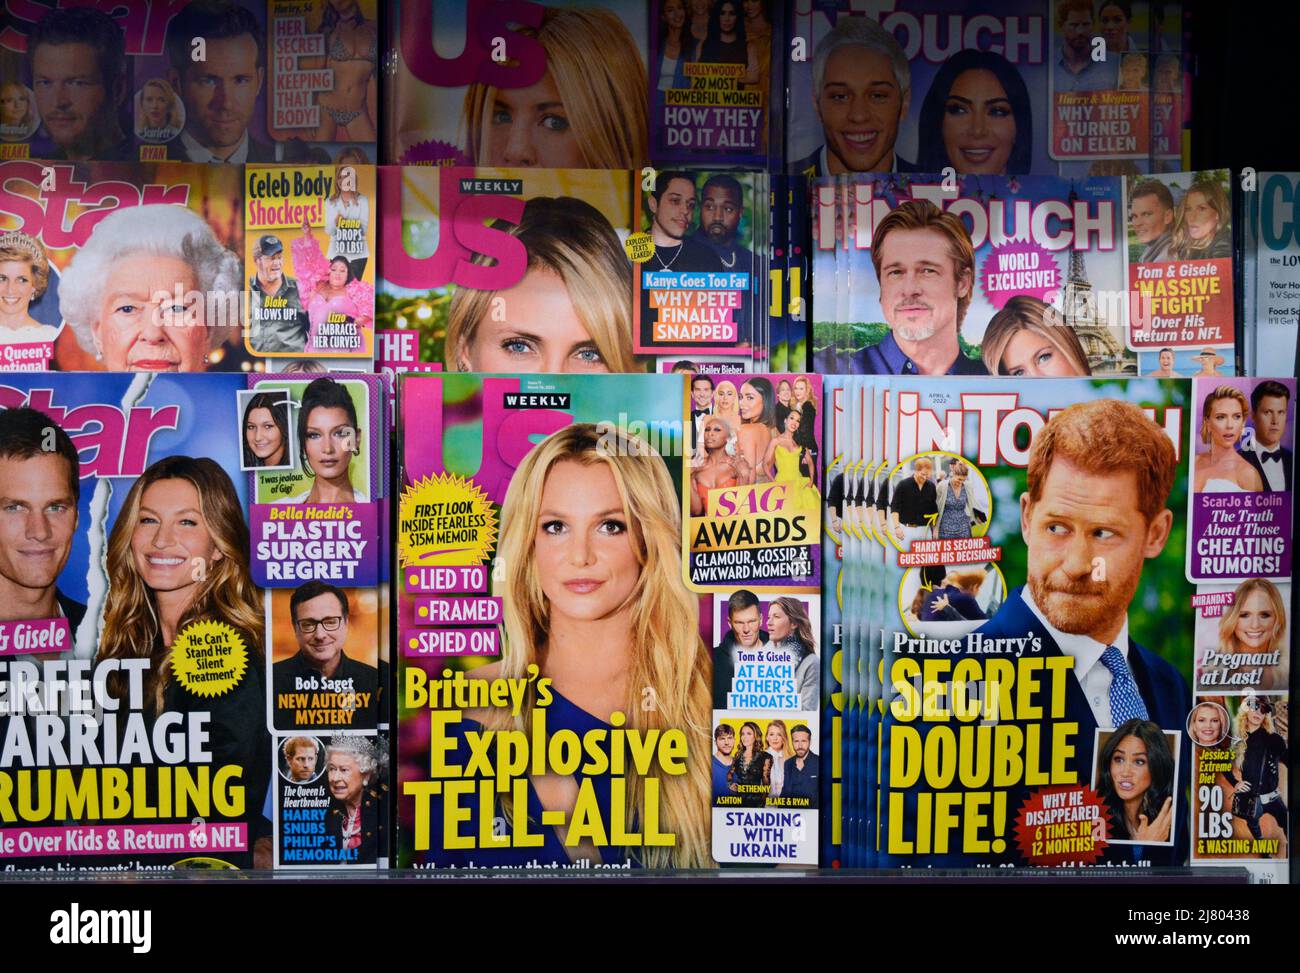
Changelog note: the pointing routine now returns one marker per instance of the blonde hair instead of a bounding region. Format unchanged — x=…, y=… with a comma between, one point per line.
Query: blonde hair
x=571, y=239
x=19, y=246
x=786, y=750
x=1183, y=245
x=173, y=103
x=807, y=384
x=602, y=83
x=1240, y=732
x=1228, y=623
x=225, y=593
x=735, y=407
x=1222, y=392
x=667, y=654
x=28, y=116
x=1025, y=313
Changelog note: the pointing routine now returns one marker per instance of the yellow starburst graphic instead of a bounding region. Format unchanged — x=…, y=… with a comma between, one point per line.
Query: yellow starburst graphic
x=209, y=657
x=445, y=520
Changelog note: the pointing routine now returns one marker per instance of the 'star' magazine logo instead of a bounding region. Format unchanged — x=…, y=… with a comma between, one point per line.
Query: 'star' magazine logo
x=77, y=926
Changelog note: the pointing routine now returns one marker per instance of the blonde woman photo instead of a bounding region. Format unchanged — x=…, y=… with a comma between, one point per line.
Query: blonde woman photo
x=588, y=110
x=571, y=311
x=1222, y=469
x=592, y=598
x=1260, y=730
x=1254, y=625
x=778, y=747
x=17, y=112
x=1029, y=338
x=159, y=113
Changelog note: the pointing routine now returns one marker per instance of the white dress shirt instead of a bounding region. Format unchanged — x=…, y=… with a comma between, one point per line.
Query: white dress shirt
x=201, y=153
x=1274, y=474
x=1094, y=678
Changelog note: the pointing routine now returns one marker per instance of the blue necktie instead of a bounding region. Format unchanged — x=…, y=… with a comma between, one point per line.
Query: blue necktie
x=1125, y=700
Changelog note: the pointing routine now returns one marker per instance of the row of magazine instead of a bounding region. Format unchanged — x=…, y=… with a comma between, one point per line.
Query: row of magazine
x=283, y=268
x=1020, y=86
x=644, y=621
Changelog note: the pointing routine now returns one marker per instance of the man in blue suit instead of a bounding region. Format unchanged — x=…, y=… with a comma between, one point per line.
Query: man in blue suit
x=1098, y=480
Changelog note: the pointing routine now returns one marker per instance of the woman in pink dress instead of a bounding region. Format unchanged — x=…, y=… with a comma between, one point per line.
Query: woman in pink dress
x=340, y=307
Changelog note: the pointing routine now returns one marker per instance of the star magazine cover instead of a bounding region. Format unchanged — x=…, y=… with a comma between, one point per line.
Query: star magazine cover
x=172, y=267
x=234, y=81
x=191, y=675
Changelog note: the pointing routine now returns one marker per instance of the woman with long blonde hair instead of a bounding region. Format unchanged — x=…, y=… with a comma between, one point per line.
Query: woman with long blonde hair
x=593, y=604
x=1260, y=729
x=571, y=311
x=588, y=110
x=1029, y=338
x=777, y=739
x=158, y=114
x=1255, y=625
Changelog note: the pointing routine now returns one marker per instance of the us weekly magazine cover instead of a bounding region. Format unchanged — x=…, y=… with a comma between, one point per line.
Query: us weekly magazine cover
x=168, y=267
x=574, y=270
x=1084, y=646
x=188, y=604
x=601, y=662
x=235, y=81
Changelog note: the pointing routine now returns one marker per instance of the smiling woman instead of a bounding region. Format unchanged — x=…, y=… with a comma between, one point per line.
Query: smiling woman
x=593, y=596
x=976, y=117
x=147, y=291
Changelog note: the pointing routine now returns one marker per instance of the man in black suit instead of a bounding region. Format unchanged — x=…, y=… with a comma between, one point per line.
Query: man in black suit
x=1269, y=402
x=220, y=91
x=1094, y=511
x=862, y=86
x=40, y=484
x=746, y=633
x=802, y=771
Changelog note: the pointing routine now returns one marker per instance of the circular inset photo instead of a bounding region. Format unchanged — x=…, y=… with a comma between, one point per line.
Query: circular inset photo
x=301, y=759
x=937, y=496
x=159, y=112
x=19, y=118
x=951, y=600
x=1208, y=724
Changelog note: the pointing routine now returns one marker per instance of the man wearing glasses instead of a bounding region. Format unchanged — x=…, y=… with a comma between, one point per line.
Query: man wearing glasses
x=320, y=685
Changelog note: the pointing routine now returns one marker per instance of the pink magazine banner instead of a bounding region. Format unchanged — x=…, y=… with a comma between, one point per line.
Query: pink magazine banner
x=36, y=635
x=123, y=839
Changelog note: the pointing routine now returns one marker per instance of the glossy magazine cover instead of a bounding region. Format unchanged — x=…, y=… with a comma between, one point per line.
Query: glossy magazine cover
x=234, y=81
x=141, y=612
x=1054, y=547
x=169, y=267
x=970, y=275
x=544, y=625
x=502, y=83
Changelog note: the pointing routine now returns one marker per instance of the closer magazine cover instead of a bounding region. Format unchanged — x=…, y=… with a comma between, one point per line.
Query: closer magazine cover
x=1083, y=642
x=192, y=675
x=608, y=636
